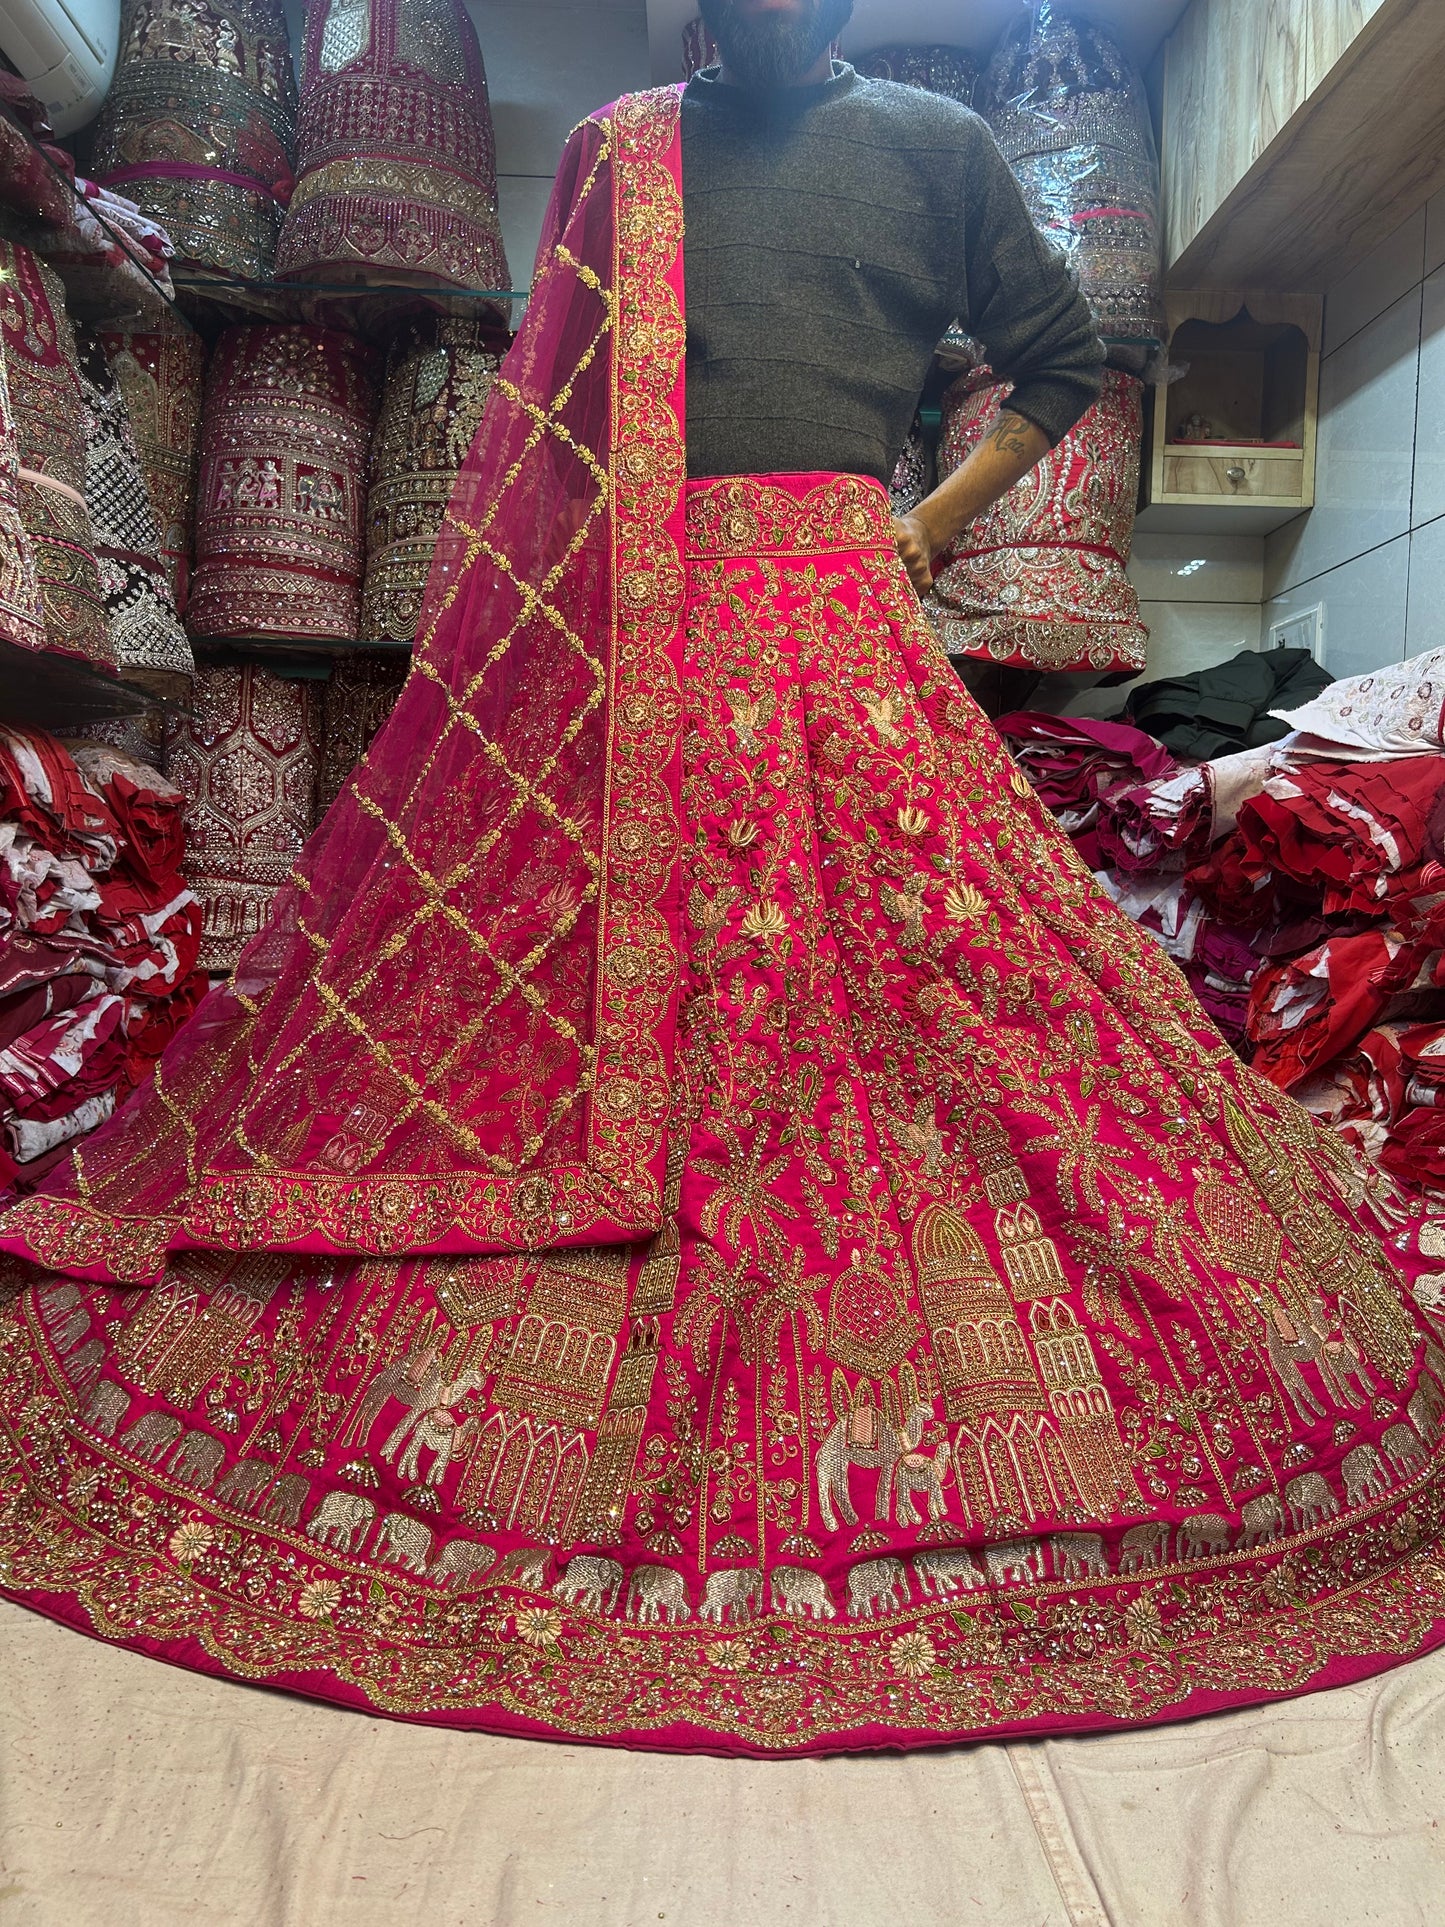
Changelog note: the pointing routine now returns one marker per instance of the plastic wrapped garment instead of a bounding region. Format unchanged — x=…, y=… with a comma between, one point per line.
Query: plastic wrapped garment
x=247, y=759
x=938, y=70
x=437, y=380
x=151, y=648
x=161, y=373
x=199, y=124
x=1039, y=580
x=113, y=260
x=1070, y=112
x=280, y=523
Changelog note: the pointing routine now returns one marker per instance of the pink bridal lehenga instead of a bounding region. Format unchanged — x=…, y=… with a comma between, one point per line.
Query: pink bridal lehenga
x=696, y=1225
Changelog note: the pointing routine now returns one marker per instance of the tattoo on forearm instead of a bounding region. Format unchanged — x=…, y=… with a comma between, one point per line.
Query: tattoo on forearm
x=1010, y=435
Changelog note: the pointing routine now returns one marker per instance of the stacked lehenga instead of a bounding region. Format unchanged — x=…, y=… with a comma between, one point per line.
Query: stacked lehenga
x=161, y=375
x=149, y=644
x=437, y=381
x=43, y=380
x=280, y=526
x=397, y=175
x=246, y=757
x=199, y=124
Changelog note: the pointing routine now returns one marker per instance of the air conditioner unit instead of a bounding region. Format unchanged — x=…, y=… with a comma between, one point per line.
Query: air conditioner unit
x=66, y=50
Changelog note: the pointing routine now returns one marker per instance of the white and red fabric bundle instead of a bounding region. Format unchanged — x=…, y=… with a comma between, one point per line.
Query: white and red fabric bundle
x=1300, y=887
x=98, y=939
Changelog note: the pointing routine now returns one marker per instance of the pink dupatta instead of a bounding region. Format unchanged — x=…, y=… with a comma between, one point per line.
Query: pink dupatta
x=455, y=1034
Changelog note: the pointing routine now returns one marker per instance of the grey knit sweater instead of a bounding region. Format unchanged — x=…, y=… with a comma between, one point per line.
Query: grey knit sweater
x=833, y=233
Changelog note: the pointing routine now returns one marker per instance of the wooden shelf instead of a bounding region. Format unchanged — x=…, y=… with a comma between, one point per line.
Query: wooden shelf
x=1250, y=366
x=1297, y=135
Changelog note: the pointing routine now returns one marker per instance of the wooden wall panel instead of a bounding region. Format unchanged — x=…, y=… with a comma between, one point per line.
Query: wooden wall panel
x=1331, y=26
x=1360, y=152
x=1235, y=72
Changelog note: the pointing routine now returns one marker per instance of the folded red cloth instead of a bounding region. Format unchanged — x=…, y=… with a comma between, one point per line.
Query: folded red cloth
x=24, y=1009
x=1072, y=762
x=68, y=1057
x=1306, y=1011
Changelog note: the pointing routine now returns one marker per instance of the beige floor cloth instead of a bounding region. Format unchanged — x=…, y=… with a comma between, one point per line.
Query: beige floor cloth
x=135, y=1795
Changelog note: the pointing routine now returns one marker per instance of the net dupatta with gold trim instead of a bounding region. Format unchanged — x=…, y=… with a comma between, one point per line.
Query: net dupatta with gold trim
x=455, y=1033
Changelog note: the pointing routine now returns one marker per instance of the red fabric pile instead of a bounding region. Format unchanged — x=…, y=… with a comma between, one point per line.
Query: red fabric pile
x=1075, y=764
x=1300, y=887
x=98, y=939
x=1333, y=877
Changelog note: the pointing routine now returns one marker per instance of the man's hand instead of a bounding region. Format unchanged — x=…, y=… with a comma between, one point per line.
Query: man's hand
x=915, y=551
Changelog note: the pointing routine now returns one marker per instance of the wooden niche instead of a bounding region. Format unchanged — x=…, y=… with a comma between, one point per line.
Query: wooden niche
x=1232, y=441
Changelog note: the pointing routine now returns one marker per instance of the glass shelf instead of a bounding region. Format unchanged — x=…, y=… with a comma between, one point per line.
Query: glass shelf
x=306, y=661
x=374, y=310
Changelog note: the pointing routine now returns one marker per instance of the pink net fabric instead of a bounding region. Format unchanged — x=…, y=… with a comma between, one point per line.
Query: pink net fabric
x=454, y=1033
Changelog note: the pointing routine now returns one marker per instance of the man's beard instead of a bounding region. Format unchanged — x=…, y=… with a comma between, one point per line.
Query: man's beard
x=774, y=51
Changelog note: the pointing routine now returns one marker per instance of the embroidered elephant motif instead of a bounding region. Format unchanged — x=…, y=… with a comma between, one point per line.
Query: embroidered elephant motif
x=282, y=1504
x=1403, y=1448
x=197, y=1460
x=1079, y=1555
x=83, y=1367
x=342, y=1520
x=1262, y=1519
x=463, y=1561
x=404, y=1541
x=106, y=1407
x=945, y=1573
x=1364, y=1474
x=152, y=1434
x=734, y=1593
x=877, y=1586
x=245, y=1481
x=801, y=1594
x=1014, y=1559
x=656, y=1593
x=1425, y=1410
x=1204, y=1533
x=1142, y=1546
x=526, y=1569
x=64, y=1314
x=1309, y=1499
x=591, y=1582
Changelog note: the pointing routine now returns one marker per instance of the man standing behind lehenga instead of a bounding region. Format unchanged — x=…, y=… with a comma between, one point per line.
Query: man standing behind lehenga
x=835, y=228
x=697, y=1224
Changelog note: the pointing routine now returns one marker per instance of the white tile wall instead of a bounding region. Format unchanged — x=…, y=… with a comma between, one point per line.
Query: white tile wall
x=1387, y=272
x=1368, y=396
x=1199, y=597
x=1429, y=492
x=1185, y=636
x=1365, y=605
x=1372, y=553
x=1435, y=233
x=1198, y=568
x=549, y=63
x=1425, y=628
